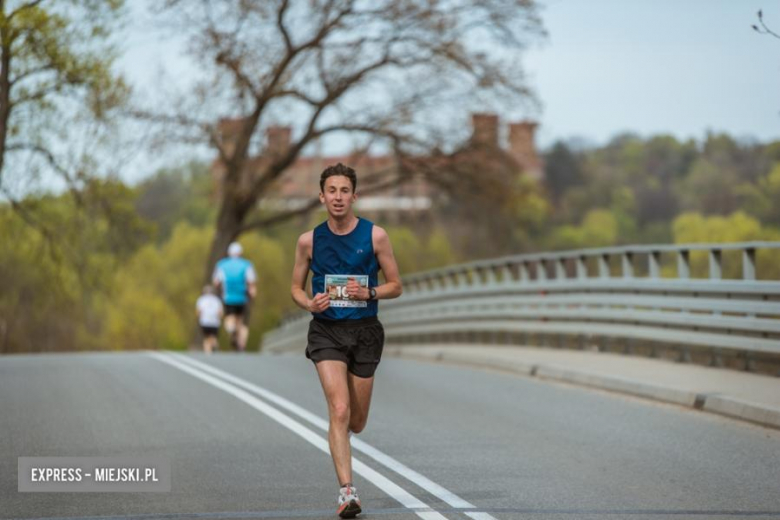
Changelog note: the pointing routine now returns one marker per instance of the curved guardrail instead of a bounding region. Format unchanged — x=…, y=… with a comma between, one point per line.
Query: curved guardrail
x=694, y=302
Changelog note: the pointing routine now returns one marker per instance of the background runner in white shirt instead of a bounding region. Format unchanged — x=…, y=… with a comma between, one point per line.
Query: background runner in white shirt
x=209, y=310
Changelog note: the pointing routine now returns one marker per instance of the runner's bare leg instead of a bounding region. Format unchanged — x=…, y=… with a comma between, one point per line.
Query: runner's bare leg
x=243, y=333
x=360, y=390
x=333, y=377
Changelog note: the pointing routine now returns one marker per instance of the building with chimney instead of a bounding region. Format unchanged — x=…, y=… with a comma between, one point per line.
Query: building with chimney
x=300, y=182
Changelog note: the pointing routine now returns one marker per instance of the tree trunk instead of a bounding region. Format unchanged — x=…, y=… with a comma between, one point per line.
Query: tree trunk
x=227, y=230
x=5, y=94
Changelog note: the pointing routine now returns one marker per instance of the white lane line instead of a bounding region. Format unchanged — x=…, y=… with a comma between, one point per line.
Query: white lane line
x=386, y=460
x=391, y=488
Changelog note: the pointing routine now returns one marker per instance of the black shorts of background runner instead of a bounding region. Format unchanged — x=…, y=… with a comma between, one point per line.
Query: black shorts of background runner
x=238, y=310
x=209, y=331
x=358, y=343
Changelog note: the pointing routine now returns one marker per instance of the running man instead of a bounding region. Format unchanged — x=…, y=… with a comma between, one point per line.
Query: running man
x=236, y=277
x=209, y=311
x=345, y=254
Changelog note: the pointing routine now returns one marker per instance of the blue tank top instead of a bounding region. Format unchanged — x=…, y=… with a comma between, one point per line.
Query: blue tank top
x=351, y=254
x=233, y=273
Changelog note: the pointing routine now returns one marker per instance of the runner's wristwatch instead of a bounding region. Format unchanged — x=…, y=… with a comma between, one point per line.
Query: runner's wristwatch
x=372, y=293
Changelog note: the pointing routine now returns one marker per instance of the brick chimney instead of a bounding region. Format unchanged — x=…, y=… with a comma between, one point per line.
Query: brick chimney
x=485, y=130
x=278, y=139
x=523, y=150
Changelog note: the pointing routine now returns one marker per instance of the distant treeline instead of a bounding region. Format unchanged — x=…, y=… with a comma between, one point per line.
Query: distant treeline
x=119, y=267
x=633, y=189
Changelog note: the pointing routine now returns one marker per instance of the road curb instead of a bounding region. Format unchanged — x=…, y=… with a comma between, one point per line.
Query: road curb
x=619, y=384
x=714, y=403
x=744, y=410
x=459, y=358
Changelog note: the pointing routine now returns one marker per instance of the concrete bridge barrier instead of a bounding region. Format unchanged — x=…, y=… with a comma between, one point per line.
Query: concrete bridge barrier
x=700, y=303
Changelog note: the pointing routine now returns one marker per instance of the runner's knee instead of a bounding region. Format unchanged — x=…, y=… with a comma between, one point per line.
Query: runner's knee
x=230, y=325
x=339, y=412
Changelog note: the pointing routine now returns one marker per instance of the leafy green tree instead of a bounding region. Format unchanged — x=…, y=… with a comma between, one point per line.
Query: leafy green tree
x=273, y=260
x=58, y=94
x=647, y=182
x=623, y=209
x=438, y=251
x=407, y=248
x=599, y=228
x=665, y=161
x=562, y=170
x=736, y=227
x=156, y=290
x=527, y=214
x=38, y=303
x=141, y=318
x=415, y=252
x=760, y=199
x=710, y=188
x=167, y=276
x=179, y=194
x=55, y=71
x=769, y=187
x=53, y=297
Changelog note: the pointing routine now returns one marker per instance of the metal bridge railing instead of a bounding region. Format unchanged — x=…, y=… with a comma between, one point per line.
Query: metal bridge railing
x=643, y=300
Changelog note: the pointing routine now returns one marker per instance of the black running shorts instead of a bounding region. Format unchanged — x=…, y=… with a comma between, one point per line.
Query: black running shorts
x=358, y=343
x=237, y=310
x=209, y=331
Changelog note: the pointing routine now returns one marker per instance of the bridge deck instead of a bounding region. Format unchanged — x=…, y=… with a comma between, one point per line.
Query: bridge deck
x=742, y=395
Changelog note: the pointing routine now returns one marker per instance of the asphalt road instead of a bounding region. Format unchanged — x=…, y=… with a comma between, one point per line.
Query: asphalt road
x=246, y=441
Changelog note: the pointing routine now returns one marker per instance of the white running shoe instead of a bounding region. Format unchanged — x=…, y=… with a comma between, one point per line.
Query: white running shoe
x=348, y=503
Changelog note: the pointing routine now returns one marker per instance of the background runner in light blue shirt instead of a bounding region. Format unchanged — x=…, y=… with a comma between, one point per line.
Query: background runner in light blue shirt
x=236, y=278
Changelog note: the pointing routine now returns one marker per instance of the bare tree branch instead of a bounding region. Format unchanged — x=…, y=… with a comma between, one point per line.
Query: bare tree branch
x=185, y=122
x=32, y=72
x=764, y=29
x=233, y=64
x=278, y=167
x=268, y=91
x=38, y=95
x=23, y=7
x=376, y=70
x=282, y=29
x=52, y=161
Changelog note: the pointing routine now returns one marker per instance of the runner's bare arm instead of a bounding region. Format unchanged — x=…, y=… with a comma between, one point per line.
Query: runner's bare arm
x=384, y=254
x=215, y=280
x=300, y=274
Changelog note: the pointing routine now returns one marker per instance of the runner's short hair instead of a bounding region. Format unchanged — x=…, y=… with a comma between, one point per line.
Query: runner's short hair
x=338, y=169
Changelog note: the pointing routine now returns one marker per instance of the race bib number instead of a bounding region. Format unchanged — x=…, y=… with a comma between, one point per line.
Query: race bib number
x=336, y=288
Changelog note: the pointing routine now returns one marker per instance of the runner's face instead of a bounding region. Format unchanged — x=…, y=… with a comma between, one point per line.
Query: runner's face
x=338, y=196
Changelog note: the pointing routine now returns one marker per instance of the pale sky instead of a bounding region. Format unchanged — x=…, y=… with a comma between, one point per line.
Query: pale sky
x=657, y=66
x=608, y=66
